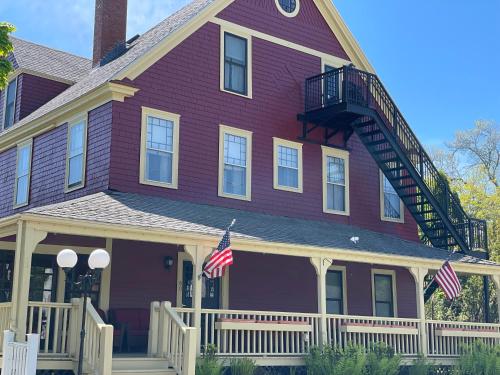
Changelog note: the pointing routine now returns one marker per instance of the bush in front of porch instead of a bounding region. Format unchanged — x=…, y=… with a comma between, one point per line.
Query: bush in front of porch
x=479, y=359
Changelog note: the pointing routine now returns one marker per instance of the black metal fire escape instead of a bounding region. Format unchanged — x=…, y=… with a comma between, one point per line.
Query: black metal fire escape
x=354, y=101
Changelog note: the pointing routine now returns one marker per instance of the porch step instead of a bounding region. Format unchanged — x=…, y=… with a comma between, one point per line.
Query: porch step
x=141, y=365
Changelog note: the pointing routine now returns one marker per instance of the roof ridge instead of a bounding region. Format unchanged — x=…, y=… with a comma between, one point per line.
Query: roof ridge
x=51, y=48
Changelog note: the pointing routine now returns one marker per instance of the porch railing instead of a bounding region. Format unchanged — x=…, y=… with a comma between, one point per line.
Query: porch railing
x=5, y=311
x=98, y=346
x=172, y=339
x=400, y=334
x=450, y=339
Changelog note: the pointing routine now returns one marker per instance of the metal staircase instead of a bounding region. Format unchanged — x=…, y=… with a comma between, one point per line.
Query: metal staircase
x=354, y=101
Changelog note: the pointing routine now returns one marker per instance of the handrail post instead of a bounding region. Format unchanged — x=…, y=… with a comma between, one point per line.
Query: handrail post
x=106, y=350
x=189, y=359
x=153, y=328
x=74, y=320
x=32, y=353
x=345, y=71
x=368, y=89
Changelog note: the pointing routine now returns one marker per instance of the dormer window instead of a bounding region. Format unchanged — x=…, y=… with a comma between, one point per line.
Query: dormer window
x=10, y=104
x=288, y=8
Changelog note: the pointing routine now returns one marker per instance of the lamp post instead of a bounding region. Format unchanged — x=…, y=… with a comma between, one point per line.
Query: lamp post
x=98, y=260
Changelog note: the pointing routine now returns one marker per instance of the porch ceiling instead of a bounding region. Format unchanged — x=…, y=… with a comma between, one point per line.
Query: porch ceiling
x=153, y=214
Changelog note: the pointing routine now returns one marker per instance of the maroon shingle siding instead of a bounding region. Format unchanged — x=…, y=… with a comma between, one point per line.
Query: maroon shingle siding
x=49, y=164
x=34, y=91
x=308, y=28
x=186, y=81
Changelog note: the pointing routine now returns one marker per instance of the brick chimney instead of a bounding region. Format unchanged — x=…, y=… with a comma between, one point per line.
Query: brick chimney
x=110, y=27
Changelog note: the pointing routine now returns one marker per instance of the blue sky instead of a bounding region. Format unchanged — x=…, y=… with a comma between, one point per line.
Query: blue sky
x=440, y=60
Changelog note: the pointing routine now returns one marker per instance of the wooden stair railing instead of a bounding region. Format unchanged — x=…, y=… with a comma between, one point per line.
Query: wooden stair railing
x=375, y=118
x=172, y=339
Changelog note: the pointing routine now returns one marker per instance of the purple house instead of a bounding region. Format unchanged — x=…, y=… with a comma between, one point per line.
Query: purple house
x=267, y=112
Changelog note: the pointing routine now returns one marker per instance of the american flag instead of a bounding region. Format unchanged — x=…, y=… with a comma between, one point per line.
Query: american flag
x=220, y=258
x=448, y=281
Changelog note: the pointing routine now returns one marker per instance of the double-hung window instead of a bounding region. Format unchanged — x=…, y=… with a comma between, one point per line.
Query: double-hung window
x=336, y=291
x=236, y=64
x=335, y=181
x=23, y=172
x=391, y=206
x=287, y=165
x=76, y=154
x=159, y=148
x=10, y=94
x=384, y=293
x=235, y=163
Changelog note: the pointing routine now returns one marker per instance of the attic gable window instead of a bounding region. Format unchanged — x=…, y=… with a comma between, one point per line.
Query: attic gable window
x=10, y=104
x=289, y=8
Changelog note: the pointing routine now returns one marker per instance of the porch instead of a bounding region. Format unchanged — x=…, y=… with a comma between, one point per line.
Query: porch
x=284, y=294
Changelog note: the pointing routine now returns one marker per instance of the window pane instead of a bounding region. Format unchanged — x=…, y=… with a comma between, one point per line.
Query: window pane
x=383, y=309
x=335, y=197
x=23, y=160
x=288, y=177
x=76, y=136
x=160, y=134
x=235, y=150
x=159, y=166
x=234, y=180
x=392, y=205
x=334, y=307
x=235, y=64
x=22, y=190
x=383, y=288
x=288, y=157
x=336, y=170
x=75, y=169
x=10, y=105
x=334, y=284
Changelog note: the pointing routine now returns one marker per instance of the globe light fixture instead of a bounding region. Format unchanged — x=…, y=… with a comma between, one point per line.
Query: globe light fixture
x=67, y=259
x=99, y=259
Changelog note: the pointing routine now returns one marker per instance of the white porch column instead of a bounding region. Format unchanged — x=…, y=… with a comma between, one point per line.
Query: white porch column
x=198, y=255
x=419, y=274
x=321, y=266
x=104, y=295
x=496, y=281
x=26, y=241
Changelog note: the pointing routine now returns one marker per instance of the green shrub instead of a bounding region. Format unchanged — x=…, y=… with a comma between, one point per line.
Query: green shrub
x=479, y=359
x=336, y=361
x=242, y=366
x=381, y=360
x=421, y=366
x=208, y=364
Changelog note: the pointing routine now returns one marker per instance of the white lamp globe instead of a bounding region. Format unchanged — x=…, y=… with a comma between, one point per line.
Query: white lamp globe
x=67, y=258
x=99, y=259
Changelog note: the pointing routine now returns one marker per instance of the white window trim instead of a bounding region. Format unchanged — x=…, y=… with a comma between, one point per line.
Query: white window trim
x=341, y=154
x=237, y=32
x=392, y=273
x=75, y=121
x=277, y=142
x=224, y=129
x=382, y=208
x=224, y=285
x=175, y=118
x=20, y=145
x=343, y=270
x=5, y=102
x=289, y=15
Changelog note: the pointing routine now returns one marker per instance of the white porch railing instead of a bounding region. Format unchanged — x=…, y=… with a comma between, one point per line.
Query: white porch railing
x=98, y=346
x=5, y=311
x=259, y=333
x=400, y=334
x=172, y=339
x=19, y=358
x=52, y=322
x=450, y=339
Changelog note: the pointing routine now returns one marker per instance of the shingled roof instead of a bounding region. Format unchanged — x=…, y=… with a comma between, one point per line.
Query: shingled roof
x=102, y=74
x=48, y=61
x=150, y=212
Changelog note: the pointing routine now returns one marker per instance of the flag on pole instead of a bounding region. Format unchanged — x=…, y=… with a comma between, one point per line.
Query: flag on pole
x=221, y=258
x=448, y=281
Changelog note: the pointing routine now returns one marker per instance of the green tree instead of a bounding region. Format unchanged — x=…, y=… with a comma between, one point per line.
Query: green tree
x=5, y=48
x=472, y=163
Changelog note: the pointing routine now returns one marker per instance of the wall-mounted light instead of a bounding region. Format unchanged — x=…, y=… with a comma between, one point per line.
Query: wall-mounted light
x=168, y=262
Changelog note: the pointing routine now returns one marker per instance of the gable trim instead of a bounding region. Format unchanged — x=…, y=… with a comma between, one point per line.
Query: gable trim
x=326, y=8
